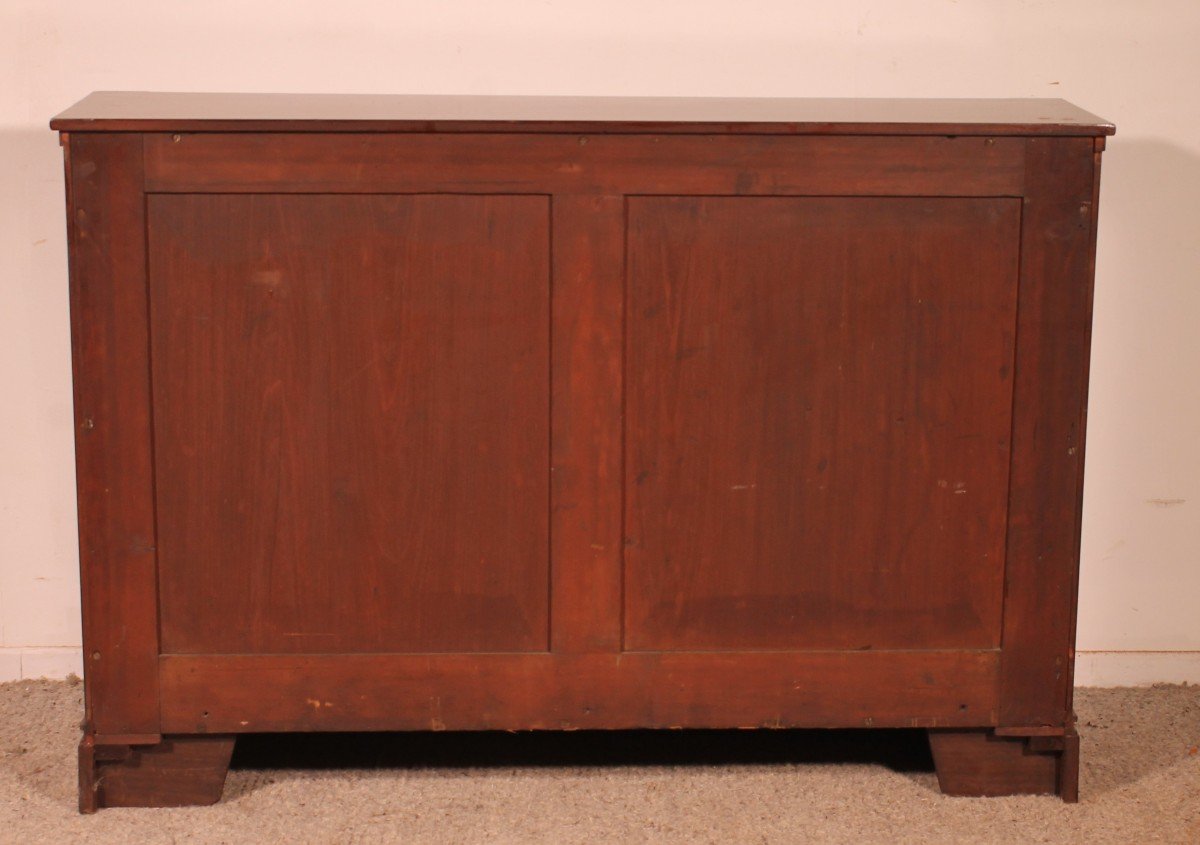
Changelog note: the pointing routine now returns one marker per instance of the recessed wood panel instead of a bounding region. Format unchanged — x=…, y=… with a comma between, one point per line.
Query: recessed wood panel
x=818, y=421
x=351, y=410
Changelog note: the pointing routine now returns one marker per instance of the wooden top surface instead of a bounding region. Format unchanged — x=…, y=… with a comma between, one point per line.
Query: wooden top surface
x=141, y=111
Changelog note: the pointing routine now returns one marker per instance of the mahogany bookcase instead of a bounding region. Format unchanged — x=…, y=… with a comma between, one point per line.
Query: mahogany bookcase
x=462, y=413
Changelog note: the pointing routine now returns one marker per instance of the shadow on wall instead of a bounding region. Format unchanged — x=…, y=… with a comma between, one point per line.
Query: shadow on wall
x=38, y=540
x=1150, y=174
x=1149, y=220
x=1144, y=404
x=34, y=259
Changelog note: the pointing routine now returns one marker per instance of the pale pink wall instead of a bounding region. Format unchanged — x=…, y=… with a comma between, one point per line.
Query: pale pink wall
x=1134, y=63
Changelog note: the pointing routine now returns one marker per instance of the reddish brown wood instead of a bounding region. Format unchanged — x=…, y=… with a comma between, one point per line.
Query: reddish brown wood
x=1068, y=767
x=816, y=459
x=88, y=798
x=142, y=111
x=1072, y=628
x=585, y=508
x=351, y=422
x=114, y=468
x=1032, y=730
x=177, y=772
x=1050, y=394
x=745, y=414
x=604, y=164
x=831, y=689
x=978, y=763
x=127, y=739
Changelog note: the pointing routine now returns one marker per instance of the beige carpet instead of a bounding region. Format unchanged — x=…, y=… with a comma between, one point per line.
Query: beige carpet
x=1141, y=783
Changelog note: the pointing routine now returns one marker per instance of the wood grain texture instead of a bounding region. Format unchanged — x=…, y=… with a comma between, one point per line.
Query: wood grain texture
x=351, y=422
x=145, y=111
x=602, y=164
x=818, y=422
x=220, y=693
x=1050, y=398
x=1068, y=767
x=572, y=414
x=586, y=549
x=114, y=467
x=180, y=771
x=1072, y=627
x=978, y=763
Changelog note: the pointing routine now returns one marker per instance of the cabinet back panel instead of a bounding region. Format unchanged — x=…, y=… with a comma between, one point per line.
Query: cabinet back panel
x=351, y=422
x=818, y=421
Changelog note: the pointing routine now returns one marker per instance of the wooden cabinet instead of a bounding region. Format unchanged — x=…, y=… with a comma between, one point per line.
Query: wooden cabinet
x=403, y=413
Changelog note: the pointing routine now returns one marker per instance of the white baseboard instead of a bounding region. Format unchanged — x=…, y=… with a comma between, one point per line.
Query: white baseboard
x=1092, y=668
x=1136, y=668
x=23, y=663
